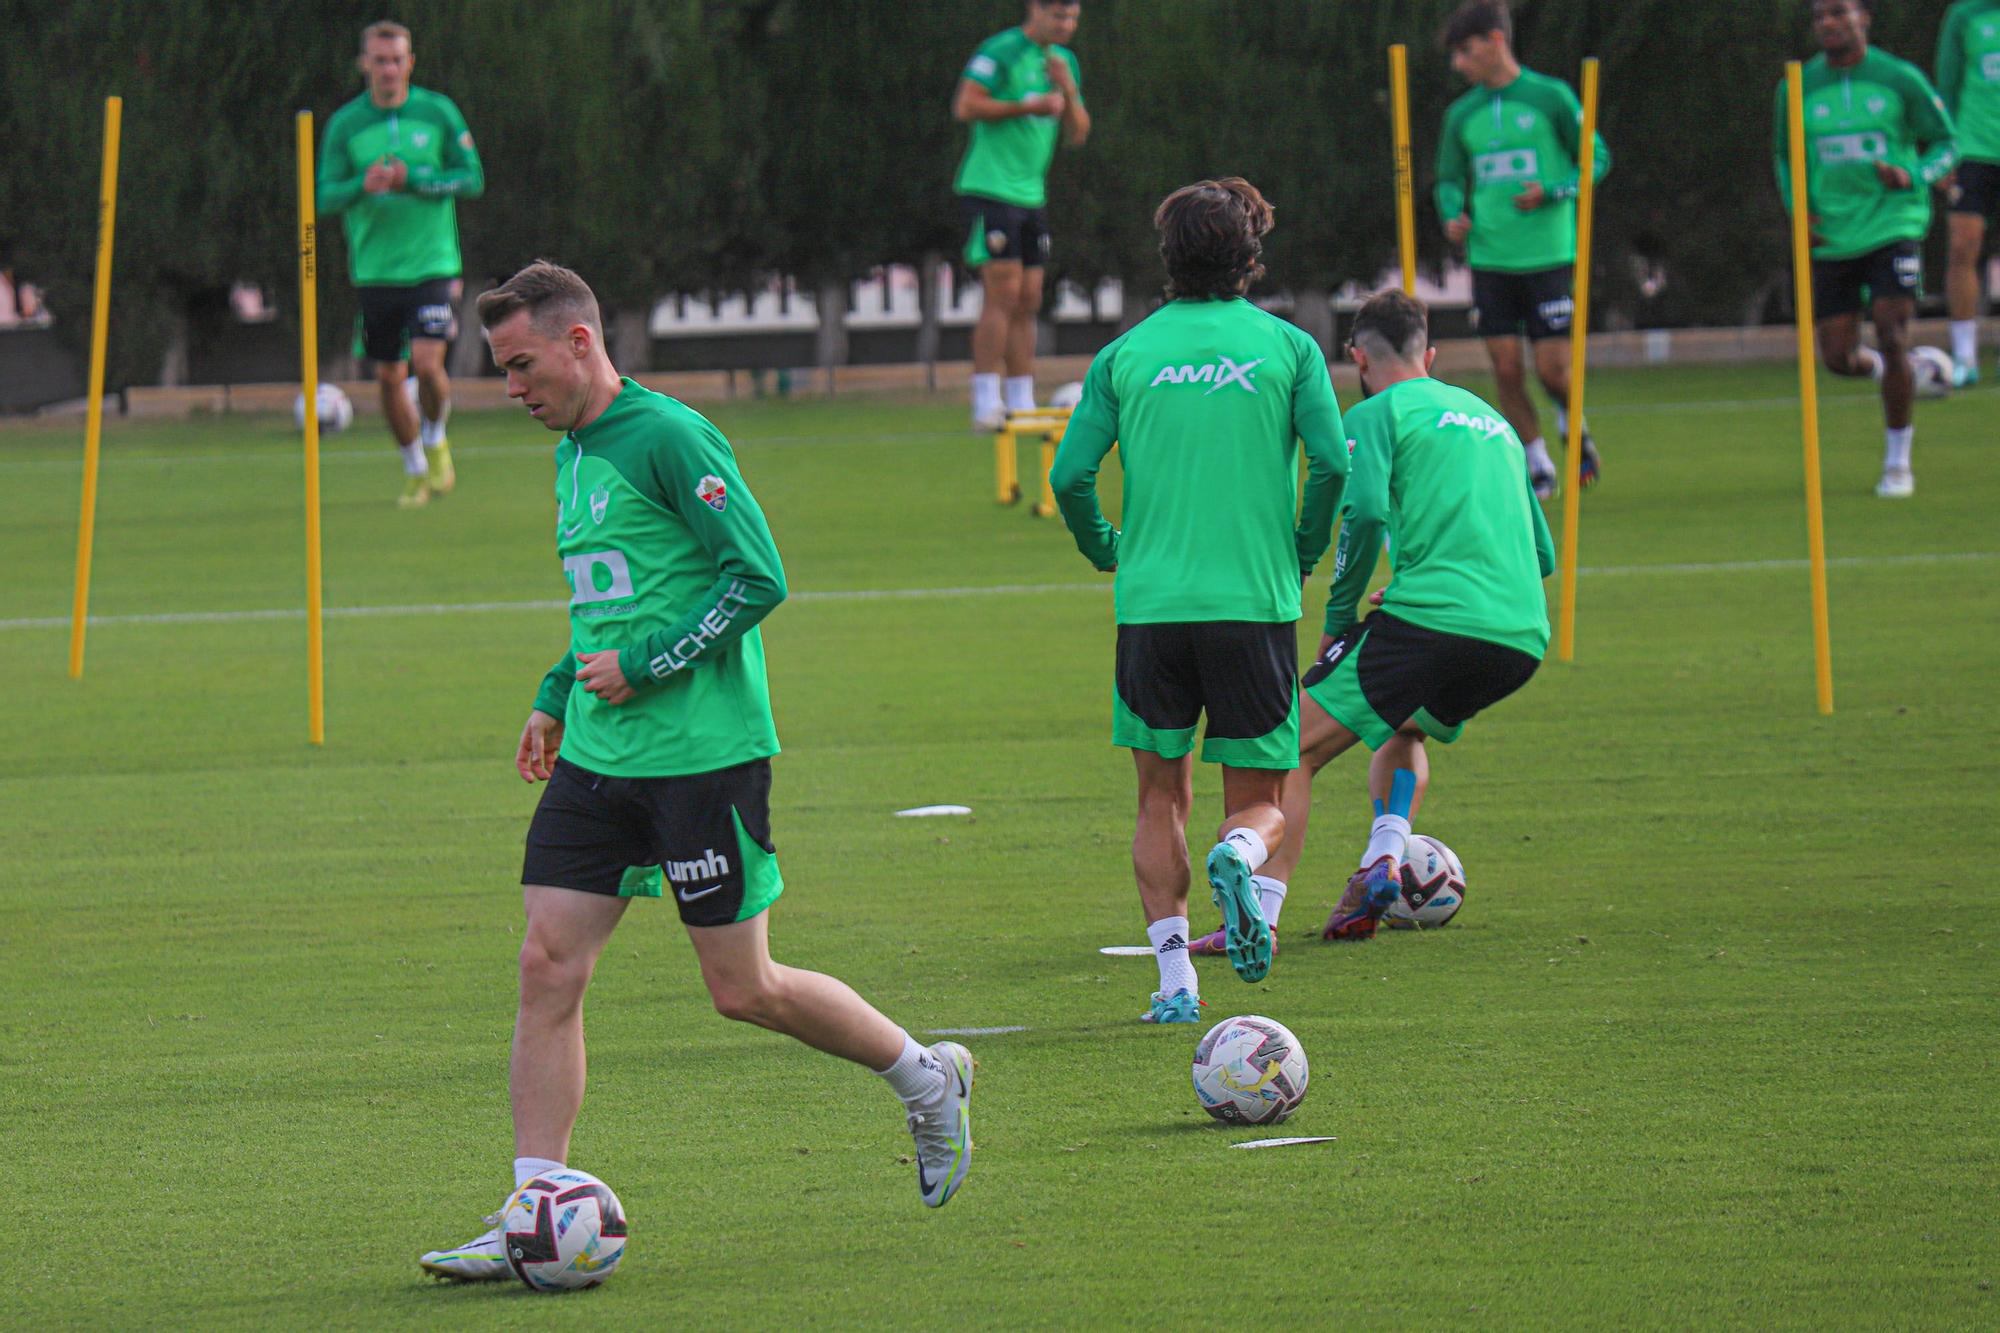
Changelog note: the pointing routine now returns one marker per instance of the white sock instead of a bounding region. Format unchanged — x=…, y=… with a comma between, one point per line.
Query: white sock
x=1390, y=836
x=1896, y=448
x=916, y=1073
x=985, y=395
x=1250, y=844
x=413, y=458
x=1538, y=456
x=1870, y=362
x=1965, y=341
x=1020, y=393
x=527, y=1168
x=1271, y=897
x=1562, y=423
x=1169, y=937
x=430, y=433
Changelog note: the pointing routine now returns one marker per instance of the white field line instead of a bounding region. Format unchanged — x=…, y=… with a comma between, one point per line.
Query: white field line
x=932, y=594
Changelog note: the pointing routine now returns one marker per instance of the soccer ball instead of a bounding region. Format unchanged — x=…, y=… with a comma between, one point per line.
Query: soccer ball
x=1433, y=886
x=1068, y=395
x=335, y=411
x=1250, y=1071
x=563, y=1230
x=1933, y=369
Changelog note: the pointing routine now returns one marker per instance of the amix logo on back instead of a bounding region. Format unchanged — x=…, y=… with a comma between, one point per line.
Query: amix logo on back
x=1220, y=375
x=1485, y=425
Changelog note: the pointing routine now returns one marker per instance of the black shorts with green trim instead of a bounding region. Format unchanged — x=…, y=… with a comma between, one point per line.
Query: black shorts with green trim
x=1384, y=672
x=708, y=835
x=1243, y=674
x=994, y=229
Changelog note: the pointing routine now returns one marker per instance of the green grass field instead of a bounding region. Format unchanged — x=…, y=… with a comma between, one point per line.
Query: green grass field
x=1712, y=1044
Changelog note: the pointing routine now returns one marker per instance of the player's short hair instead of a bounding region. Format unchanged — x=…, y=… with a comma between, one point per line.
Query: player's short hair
x=1211, y=236
x=1476, y=18
x=387, y=28
x=1393, y=323
x=554, y=297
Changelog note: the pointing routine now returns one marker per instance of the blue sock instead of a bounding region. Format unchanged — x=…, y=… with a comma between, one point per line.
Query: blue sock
x=1380, y=810
x=1402, y=793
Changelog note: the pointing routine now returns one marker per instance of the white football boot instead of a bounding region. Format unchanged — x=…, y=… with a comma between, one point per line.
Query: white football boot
x=1897, y=484
x=481, y=1259
x=942, y=1128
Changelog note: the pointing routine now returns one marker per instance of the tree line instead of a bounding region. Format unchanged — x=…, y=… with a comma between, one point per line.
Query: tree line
x=699, y=145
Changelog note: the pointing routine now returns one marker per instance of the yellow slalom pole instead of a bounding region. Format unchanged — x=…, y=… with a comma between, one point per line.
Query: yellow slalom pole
x=1808, y=383
x=1006, y=487
x=309, y=367
x=1406, y=209
x=1579, y=345
x=93, y=429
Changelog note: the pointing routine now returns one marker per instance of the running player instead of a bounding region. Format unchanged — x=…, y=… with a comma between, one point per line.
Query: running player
x=1507, y=182
x=1878, y=138
x=1968, y=78
x=1208, y=400
x=393, y=161
x=655, y=737
x=1463, y=622
x=1018, y=89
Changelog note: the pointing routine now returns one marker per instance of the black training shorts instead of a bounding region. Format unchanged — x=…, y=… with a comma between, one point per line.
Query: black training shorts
x=1385, y=671
x=709, y=833
x=996, y=230
x=1537, y=304
x=1844, y=286
x=1243, y=674
x=392, y=315
x=1975, y=188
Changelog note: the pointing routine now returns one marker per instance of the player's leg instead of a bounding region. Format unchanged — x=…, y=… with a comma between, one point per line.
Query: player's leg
x=1962, y=292
x=566, y=931
x=1549, y=326
x=1000, y=292
x=1160, y=865
x=1020, y=350
x=1510, y=385
x=1253, y=826
x=434, y=410
x=1891, y=316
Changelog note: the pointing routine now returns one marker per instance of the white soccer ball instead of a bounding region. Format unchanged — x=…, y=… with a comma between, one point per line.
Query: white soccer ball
x=1433, y=886
x=563, y=1230
x=1933, y=369
x=335, y=411
x=1250, y=1071
x=1069, y=395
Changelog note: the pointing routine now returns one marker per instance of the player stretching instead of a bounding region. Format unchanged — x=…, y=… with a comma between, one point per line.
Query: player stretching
x=1877, y=138
x=1968, y=78
x=1207, y=400
x=1017, y=89
x=1507, y=181
x=663, y=723
x=393, y=161
x=1463, y=622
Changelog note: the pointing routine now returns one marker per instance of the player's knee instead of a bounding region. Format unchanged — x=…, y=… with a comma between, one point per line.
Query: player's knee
x=548, y=977
x=390, y=372
x=1893, y=340
x=745, y=999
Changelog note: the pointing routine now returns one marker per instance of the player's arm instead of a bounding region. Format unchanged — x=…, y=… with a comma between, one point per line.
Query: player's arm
x=553, y=697
x=1364, y=517
x=1569, y=130
x=1545, y=546
x=1453, y=171
x=1316, y=422
x=1932, y=130
x=1067, y=77
x=541, y=736
x=1092, y=430
x=1950, y=64
x=976, y=102
x=460, y=174
x=338, y=185
x=751, y=583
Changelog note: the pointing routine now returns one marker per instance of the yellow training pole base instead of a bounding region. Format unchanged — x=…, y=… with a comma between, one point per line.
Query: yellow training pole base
x=1006, y=484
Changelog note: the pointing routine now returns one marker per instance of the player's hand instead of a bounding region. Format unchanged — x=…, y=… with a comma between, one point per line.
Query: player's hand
x=1059, y=74
x=378, y=179
x=1458, y=229
x=1043, y=104
x=602, y=676
x=1813, y=238
x=1375, y=598
x=535, y=757
x=399, y=173
x=1532, y=198
x=1894, y=177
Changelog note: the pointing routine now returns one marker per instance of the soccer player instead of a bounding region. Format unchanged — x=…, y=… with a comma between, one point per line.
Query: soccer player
x=655, y=737
x=1018, y=89
x=1878, y=138
x=1507, y=181
x=1207, y=399
x=1968, y=78
x=1463, y=622
x=393, y=162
